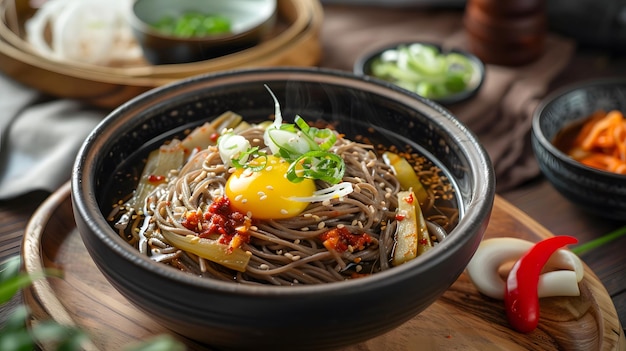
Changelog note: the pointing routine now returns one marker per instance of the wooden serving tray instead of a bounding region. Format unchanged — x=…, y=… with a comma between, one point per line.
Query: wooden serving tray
x=462, y=319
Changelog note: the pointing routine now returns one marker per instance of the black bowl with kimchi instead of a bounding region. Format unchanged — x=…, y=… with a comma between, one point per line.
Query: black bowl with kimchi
x=368, y=202
x=577, y=138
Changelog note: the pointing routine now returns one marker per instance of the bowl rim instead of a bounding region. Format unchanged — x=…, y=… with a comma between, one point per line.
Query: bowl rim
x=552, y=99
x=363, y=60
x=137, y=22
x=476, y=213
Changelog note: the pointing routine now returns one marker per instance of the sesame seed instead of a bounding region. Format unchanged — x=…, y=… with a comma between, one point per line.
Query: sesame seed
x=288, y=255
x=264, y=266
x=341, y=225
x=304, y=229
x=268, y=168
x=283, y=211
x=354, y=222
x=326, y=202
x=238, y=197
x=269, y=187
x=243, y=201
x=307, y=215
x=263, y=197
x=321, y=225
x=359, y=268
x=295, y=258
x=297, y=241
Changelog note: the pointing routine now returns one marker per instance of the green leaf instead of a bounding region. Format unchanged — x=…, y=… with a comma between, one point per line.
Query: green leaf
x=12, y=281
x=66, y=338
x=10, y=268
x=158, y=343
x=19, y=340
x=16, y=321
x=603, y=240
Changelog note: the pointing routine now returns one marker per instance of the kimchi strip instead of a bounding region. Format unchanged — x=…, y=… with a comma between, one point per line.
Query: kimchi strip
x=601, y=142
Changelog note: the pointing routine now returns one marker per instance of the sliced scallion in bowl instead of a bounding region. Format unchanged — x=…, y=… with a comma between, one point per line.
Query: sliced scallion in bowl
x=426, y=70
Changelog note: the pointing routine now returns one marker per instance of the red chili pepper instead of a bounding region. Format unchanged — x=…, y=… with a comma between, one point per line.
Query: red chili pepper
x=521, y=298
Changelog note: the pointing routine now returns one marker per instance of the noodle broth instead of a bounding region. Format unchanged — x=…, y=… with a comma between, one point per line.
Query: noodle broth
x=280, y=247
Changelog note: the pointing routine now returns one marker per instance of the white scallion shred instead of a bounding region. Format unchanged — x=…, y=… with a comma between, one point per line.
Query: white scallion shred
x=334, y=192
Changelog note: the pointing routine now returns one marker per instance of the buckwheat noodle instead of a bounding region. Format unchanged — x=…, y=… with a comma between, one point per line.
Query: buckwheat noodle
x=288, y=251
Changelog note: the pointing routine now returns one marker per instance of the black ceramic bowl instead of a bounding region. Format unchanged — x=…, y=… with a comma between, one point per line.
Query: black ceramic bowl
x=597, y=191
x=363, y=66
x=321, y=316
x=250, y=20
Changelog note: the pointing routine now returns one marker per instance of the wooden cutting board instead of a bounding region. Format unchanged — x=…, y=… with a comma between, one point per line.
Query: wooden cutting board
x=462, y=319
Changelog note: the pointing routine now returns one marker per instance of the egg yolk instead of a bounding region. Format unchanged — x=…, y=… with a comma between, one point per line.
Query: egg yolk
x=265, y=193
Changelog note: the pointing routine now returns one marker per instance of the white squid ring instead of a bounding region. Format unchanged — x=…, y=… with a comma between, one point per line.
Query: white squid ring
x=493, y=253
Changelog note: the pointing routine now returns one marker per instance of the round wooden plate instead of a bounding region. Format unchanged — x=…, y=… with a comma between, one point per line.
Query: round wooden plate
x=294, y=42
x=462, y=319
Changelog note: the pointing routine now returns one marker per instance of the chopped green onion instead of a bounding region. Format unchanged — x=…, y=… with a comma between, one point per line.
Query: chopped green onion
x=301, y=123
x=256, y=155
x=193, y=24
x=424, y=70
x=305, y=147
x=322, y=165
x=290, y=145
x=233, y=149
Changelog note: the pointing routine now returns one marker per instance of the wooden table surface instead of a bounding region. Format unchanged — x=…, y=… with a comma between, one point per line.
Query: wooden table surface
x=538, y=199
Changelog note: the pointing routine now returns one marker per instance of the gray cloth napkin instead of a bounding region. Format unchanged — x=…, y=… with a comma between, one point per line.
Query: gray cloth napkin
x=38, y=138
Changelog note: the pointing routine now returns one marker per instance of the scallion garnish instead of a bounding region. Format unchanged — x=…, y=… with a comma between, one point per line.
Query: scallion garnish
x=317, y=164
x=241, y=161
x=305, y=147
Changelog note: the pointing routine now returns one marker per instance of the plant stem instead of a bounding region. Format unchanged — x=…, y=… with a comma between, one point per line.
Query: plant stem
x=595, y=243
